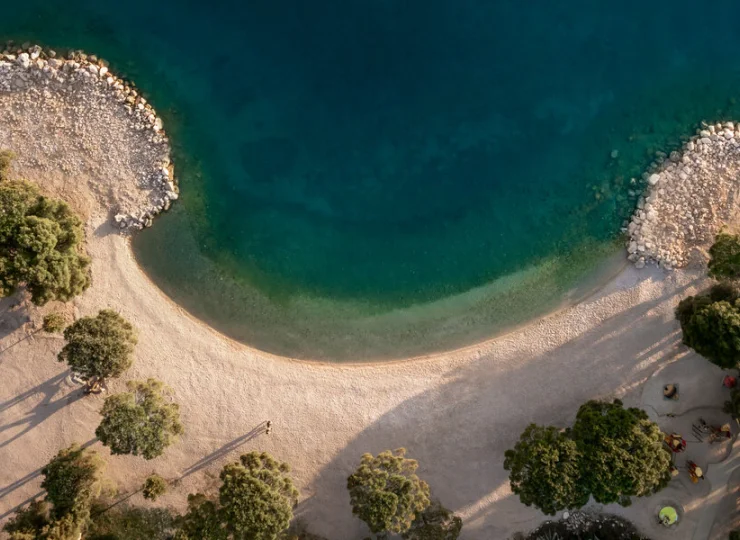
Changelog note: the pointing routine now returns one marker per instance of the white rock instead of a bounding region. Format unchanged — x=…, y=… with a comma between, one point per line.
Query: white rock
x=103, y=71
x=24, y=60
x=653, y=179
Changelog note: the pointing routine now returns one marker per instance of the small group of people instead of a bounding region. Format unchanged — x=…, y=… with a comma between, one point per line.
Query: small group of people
x=676, y=443
x=695, y=472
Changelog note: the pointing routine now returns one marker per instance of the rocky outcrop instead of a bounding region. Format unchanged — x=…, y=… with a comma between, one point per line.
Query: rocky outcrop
x=86, y=79
x=689, y=196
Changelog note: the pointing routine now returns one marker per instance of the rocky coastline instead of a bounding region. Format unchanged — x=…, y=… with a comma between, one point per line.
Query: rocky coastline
x=45, y=75
x=690, y=195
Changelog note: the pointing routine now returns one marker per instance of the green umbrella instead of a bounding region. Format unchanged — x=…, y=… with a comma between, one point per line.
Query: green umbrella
x=668, y=515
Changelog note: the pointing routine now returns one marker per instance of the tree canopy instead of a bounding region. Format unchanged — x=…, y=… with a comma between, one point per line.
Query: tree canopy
x=139, y=422
x=610, y=453
x=100, y=346
x=72, y=480
x=546, y=470
x=724, y=262
x=711, y=326
x=386, y=493
x=434, y=523
x=256, y=501
x=622, y=452
x=130, y=523
x=40, y=245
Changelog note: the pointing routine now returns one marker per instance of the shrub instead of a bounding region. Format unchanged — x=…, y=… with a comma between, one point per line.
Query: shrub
x=154, y=487
x=53, y=323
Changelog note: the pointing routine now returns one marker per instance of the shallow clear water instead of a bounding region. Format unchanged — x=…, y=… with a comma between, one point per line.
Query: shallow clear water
x=373, y=179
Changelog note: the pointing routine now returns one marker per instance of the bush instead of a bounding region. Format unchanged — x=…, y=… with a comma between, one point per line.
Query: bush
x=435, y=523
x=40, y=245
x=154, y=487
x=99, y=346
x=53, y=323
x=724, y=262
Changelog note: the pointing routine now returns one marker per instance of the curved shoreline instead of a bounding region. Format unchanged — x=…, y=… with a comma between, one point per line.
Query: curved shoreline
x=325, y=415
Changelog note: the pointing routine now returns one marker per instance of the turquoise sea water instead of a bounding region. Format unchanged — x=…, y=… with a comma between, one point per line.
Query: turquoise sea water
x=374, y=179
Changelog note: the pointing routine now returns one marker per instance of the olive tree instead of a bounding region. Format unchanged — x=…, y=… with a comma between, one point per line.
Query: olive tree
x=386, y=493
x=545, y=470
x=255, y=502
x=139, y=422
x=621, y=452
x=40, y=245
x=100, y=346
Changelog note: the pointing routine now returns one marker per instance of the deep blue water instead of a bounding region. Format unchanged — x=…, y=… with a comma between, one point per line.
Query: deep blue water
x=340, y=161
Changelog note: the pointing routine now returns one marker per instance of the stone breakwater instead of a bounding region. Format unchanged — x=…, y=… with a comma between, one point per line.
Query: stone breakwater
x=690, y=196
x=84, y=104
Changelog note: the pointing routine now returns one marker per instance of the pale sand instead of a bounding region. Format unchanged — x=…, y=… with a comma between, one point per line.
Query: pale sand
x=456, y=413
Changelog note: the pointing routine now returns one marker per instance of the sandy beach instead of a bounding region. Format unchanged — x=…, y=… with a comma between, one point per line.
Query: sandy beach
x=456, y=413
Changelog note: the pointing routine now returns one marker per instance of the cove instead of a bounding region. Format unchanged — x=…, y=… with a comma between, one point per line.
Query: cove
x=376, y=180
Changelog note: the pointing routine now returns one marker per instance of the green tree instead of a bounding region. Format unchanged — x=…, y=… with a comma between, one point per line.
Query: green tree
x=724, y=262
x=622, y=452
x=202, y=521
x=29, y=522
x=154, y=487
x=386, y=493
x=257, y=497
x=434, y=523
x=732, y=407
x=72, y=480
x=139, y=422
x=100, y=346
x=545, y=470
x=40, y=245
x=53, y=323
x=256, y=501
x=711, y=328
x=130, y=523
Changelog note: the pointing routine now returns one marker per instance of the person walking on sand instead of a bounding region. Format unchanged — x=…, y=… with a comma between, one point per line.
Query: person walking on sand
x=268, y=427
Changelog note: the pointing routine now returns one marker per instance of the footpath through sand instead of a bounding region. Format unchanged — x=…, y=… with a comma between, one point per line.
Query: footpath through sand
x=456, y=413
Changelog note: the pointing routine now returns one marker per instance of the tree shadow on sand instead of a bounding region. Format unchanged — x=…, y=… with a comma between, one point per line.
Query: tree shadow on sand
x=460, y=430
x=43, y=410
x=224, y=451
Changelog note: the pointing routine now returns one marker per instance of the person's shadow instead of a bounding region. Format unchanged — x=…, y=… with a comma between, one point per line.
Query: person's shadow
x=224, y=450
